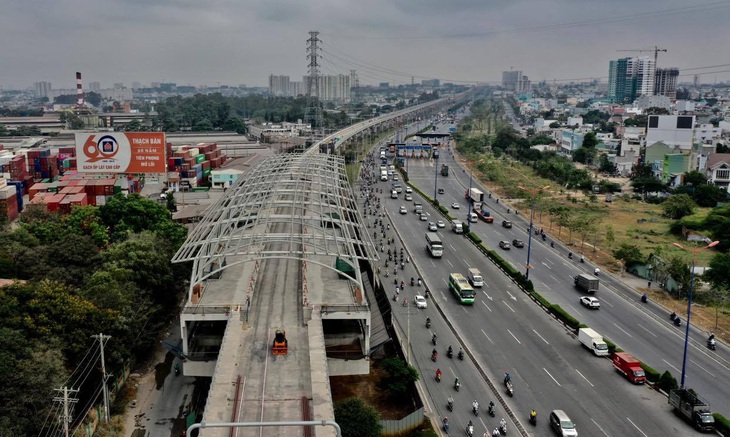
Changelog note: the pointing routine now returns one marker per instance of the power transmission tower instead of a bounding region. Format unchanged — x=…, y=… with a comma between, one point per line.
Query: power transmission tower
x=65, y=418
x=313, y=111
x=105, y=377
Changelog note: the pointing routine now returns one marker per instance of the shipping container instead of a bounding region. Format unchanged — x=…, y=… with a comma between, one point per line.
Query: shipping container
x=101, y=200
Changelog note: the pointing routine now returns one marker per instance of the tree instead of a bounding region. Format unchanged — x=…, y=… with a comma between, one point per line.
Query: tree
x=646, y=185
x=708, y=195
x=590, y=141
x=717, y=274
x=357, y=419
x=400, y=375
x=93, y=98
x=679, y=271
x=629, y=254
x=694, y=178
x=554, y=125
x=235, y=124
x=203, y=125
x=605, y=165
x=677, y=206
x=133, y=126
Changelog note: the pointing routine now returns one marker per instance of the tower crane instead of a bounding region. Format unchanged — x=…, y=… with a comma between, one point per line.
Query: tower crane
x=656, y=51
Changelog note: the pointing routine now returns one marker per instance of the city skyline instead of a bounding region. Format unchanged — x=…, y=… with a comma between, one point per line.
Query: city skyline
x=461, y=41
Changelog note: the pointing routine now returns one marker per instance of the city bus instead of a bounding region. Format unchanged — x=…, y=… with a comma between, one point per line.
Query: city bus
x=461, y=288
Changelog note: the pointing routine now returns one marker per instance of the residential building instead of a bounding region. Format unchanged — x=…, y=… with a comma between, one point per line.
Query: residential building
x=514, y=80
x=95, y=86
x=570, y=140
x=718, y=170
x=42, y=89
x=707, y=133
x=646, y=102
x=632, y=140
x=685, y=106
x=673, y=130
x=665, y=82
x=575, y=121
x=629, y=78
x=279, y=85
x=435, y=83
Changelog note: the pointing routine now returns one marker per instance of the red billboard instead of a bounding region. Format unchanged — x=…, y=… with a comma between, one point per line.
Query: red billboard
x=120, y=152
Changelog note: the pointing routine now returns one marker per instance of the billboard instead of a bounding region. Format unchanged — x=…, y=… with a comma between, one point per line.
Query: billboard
x=120, y=152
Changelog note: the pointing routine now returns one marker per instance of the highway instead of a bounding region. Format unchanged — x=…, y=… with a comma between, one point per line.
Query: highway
x=506, y=332
x=644, y=330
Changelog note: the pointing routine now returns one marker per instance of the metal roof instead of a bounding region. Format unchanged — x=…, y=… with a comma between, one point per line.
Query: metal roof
x=287, y=206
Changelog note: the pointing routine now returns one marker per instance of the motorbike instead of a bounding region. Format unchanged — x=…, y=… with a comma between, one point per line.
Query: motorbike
x=428, y=323
x=413, y=281
x=461, y=355
x=644, y=298
x=582, y=260
x=711, y=344
x=438, y=377
x=450, y=405
x=570, y=255
x=533, y=419
x=433, y=339
x=510, y=389
x=450, y=353
x=457, y=385
x=434, y=356
x=475, y=409
x=675, y=318
x=492, y=410
x=470, y=430
x=503, y=429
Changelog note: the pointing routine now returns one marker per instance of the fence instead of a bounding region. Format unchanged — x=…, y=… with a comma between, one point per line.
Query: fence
x=404, y=425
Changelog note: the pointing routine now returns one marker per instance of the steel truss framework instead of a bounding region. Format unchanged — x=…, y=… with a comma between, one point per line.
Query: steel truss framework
x=287, y=206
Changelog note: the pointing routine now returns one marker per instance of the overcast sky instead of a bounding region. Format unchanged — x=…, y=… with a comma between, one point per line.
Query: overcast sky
x=235, y=42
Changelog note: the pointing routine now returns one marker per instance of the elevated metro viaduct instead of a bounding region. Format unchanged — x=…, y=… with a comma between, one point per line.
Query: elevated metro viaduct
x=283, y=249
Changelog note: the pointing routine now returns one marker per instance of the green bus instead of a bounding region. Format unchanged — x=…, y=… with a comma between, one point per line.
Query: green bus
x=461, y=288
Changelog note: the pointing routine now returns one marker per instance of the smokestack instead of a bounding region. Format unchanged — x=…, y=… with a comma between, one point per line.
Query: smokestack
x=79, y=91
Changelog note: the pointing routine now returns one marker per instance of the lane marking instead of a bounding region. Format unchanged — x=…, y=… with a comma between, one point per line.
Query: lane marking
x=488, y=296
x=637, y=428
x=452, y=266
x=582, y=376
x=508, y=306
x=546, y=265
x=622, y=330
x=642, y=327
x=608, y=303
x=695, y=363
x=485, y=334
x=483, y=303
x=510, y=295
x=555, y=279
x=599, y=427
x=513, y=336
x=541, y=338
x=670, y=365
x=551, y=377
x=445, y=283
x=467, y=264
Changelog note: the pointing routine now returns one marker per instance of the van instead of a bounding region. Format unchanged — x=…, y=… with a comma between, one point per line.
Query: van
x=393, y=194
x=383, y=176
x=561, y=424
x=472, y=217
x=475, y=277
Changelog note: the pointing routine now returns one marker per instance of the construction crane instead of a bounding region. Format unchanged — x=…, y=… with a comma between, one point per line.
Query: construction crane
x=656, y=51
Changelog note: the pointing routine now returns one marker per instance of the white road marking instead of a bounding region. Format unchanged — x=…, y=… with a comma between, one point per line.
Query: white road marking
x=599, y=427
x=445, y=283
x=582, y=376
x=708, y=372
x=622, y=330
x=510, y=295
x=546, y=265
x=608, y=303
x=637, y=428
x=513, y=336
x=554, y=278
x=483, y=303
x=541, y=338
x=640, y=326
x=508, y=306
x=485, y=334
x=452, y=266
x=488, y=296
x=670, y=365
x=551, y=377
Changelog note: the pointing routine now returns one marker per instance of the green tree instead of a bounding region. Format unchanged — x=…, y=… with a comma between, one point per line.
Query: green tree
x=605, y=165
x=629, y=254
x=590, y=141
x=678, y=270
x=69, y=260
x=400, y=375
x=694, y=178
x=235, y=124
x=133, y=126
x=717, y=274
x=203, y=125
x=554, y=125
x=93, y=98
x=709, y=195
x=648, y=185
x=677, y=206
x=357, y=419
x=610, y=235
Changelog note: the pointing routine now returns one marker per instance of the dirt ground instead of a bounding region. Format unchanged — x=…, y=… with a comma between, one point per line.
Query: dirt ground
x=632, y=222
x=367, y=387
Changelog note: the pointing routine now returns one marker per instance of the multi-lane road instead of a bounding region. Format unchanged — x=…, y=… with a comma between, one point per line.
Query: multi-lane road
x=507, y=332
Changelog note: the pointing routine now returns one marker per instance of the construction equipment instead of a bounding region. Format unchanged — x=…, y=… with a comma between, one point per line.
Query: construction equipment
x=656, y=51
x=281, y=345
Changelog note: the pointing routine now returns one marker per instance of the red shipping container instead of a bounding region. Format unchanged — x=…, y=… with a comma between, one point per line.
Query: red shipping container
x=65, y=190
x=68, y=150
x=64, y=206
x=78, y=199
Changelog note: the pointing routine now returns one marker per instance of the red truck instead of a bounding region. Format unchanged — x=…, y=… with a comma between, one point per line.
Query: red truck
x=629, y=366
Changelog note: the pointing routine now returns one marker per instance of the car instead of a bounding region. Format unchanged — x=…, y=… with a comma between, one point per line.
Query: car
x=441, y=191
x=504, y=245
x=409, y=197
x=424, y=217
x=518, y=243
x=395, y=177
x=455, y=205
x=590, y=302
x=403, y=210
x=409, y=189
x=506, y=224
x=561, y=424
x=441, y=224
x=432, y=227
x=420, y=301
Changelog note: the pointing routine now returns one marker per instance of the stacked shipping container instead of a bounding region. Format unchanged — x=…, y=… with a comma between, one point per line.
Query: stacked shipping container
x=194, y=164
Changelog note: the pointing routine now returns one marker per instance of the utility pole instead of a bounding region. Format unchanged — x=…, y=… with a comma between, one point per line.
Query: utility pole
x=67, y=401
x=313, y=111
x=104, y=376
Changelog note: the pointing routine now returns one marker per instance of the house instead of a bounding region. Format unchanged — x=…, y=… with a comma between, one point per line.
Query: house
x=718, y=170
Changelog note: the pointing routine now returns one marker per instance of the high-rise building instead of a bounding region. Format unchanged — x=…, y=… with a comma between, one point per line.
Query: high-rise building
x=334, y=87
x=629, y=78
x=42, y=89
x=514, y=80
x=435, y=83
x=94, y=86
x=279, y=85
x=665, y=82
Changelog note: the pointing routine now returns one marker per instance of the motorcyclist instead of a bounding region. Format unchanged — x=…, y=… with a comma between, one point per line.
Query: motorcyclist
x=433, y=339
x=470, y=429
x=644, y=298
x=450, y=352
x=673, y=315
x=503, y=424
x=491, y=407
x=496, y=432
x=445, y=421
x=428, y=320
x=413, y=281
x=461, y=353
x=457, y=383
x=438, y=374
x=711, y=341
x=434, y=353
x=533, y=416
x=475, y=406
x=570, y=255
x=450, y=401
x=507, y=378
x=597, y=271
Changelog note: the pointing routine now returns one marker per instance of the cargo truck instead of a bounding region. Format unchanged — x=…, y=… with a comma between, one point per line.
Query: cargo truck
x=693, y=409
x=593, y=341
x=481, y=210
x=586, y=282
x=474, y=195
x=417, y=207
x=457, y=227
x=629, y=366
x=444, y=170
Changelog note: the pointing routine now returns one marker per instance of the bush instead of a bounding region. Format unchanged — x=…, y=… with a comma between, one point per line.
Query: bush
x=538, y=297
x=566, y=318
x=651, y=374
x=612, y=348
x=474, y=237
x=355, y=417
x=400, y=375
x=722, y=424
x=667, y=381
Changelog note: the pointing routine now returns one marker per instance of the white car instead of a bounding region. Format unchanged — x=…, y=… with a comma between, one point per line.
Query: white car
x=409, y=189
x=403, y=210
x=409, y=197
x=424, y=217
x=590, y=302
x=441, y=224
x=432, y=227
x=420, y=301
x=395, y=177
x=455, y=205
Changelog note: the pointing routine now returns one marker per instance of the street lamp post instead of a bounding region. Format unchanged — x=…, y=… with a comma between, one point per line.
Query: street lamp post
x=689, y=302
x=529, y=232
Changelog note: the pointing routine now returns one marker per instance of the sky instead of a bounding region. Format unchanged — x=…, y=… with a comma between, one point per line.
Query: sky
x=232, y=42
